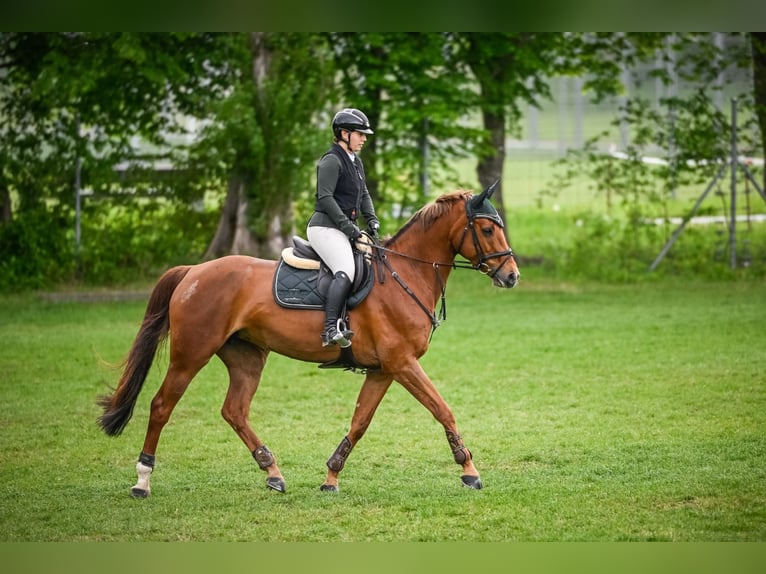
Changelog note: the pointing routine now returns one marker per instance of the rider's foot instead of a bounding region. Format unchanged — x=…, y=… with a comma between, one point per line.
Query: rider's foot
x=334, y=337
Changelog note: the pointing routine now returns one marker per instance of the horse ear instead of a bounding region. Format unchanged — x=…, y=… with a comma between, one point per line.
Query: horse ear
x=491, y=189
x=478, y=200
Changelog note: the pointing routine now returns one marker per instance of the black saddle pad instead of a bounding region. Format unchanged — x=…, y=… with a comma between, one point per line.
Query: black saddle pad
x=307, y=288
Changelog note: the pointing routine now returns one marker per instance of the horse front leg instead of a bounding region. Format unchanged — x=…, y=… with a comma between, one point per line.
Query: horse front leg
x=373, y=389
x=463, y=457
x=416, y=381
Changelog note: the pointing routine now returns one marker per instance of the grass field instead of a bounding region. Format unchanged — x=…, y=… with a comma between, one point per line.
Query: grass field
x=595, y=413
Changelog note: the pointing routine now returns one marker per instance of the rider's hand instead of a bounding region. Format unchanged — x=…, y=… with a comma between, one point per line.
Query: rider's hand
x=355, y=233
x=373, y=227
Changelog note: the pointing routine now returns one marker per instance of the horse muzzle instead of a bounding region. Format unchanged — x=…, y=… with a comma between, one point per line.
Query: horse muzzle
x=505, y=280
x=501, y=275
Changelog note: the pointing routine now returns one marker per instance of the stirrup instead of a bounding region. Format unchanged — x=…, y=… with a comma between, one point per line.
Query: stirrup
x=337, y=335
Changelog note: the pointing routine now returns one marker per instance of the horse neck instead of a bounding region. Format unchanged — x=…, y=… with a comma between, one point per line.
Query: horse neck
x=422, y=247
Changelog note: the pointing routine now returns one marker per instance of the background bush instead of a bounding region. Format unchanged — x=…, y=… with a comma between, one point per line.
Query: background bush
x=120, y=243
x=125, y=243
x=30, y=259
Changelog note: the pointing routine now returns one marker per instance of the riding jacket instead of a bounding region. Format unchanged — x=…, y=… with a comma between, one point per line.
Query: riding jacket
x=341, y=194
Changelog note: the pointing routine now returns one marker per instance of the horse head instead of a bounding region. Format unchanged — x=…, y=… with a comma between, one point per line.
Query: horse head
x=489, y=251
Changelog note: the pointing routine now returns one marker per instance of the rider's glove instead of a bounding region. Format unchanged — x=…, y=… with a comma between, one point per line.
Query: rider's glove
x=355, y=233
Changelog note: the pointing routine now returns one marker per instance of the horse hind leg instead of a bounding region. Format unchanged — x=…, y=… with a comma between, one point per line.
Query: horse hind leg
x=245, y=363
x=173, y=386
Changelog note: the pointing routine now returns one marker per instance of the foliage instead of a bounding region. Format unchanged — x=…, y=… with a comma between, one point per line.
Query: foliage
x=758, y=49
x=417, y=96
x=694, y=138
x=30, y=259
x=72, y=99
x=137, y=242
x=121, y=243
x=264, y=132
x=88, y=95
x=511, y=69
x=621, y=250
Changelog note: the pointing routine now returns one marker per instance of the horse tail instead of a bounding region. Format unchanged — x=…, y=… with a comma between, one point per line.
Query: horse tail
x=118, y=407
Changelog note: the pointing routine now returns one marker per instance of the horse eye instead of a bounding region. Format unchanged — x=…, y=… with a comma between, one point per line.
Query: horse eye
x=487, y=231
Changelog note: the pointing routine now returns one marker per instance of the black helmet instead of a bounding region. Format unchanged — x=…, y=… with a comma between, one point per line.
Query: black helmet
x=350, y=119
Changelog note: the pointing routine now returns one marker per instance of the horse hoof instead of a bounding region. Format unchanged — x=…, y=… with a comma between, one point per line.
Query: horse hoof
x=275, y=483
x=471, y=482
x=328, y=488
x=139, y=493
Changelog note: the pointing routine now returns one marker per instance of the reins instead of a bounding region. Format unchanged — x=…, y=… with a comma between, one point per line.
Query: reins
x=435, y=320
x=481, y=265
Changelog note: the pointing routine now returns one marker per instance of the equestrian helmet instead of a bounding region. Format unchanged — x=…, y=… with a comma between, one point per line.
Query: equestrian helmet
x=350, y=119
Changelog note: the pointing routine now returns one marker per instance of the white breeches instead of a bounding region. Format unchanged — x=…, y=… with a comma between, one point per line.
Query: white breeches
x=334, y=247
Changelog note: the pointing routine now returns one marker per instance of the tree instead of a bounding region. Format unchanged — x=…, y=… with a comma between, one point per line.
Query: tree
x=416, y=96
x=511, y=69
x=264, y=140
x=88, y=95
x=758, y=47
x=688, y=124
x=81, y=99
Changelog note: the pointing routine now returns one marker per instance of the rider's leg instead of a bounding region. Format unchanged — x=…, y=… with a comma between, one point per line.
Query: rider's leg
x=334, y=247
x=333, y=333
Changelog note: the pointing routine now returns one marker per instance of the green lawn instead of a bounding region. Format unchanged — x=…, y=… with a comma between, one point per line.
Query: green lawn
x=595, y=413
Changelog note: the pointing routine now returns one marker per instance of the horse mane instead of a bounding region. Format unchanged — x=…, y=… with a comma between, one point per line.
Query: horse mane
x=430, y=212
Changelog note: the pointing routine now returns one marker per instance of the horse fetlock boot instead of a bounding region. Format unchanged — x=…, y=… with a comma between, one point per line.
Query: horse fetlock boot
x=338, y=459
x=335, y=331
x=459, y=451
x=263, y=457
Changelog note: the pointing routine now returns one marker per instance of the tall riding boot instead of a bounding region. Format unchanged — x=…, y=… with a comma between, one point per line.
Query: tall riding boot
x=334, y=334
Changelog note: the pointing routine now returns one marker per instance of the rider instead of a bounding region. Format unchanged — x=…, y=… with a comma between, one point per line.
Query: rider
x=341, y=197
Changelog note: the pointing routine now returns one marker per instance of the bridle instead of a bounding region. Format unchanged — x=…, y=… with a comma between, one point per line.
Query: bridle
x=481, y=265
x=480, y=210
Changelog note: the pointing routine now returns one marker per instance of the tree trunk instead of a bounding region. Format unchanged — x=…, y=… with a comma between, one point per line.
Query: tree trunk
x=6, y=214
x=271, y=241
x=234, y=234
x=224, y=234
x=370, y=151
x=243, y=242
x=490, y=168
x=758, y=47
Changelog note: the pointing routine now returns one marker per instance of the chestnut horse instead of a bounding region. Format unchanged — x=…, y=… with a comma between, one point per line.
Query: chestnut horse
x=226, y=307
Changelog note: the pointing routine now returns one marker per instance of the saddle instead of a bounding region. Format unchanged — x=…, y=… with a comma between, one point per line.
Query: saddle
x=302, y=279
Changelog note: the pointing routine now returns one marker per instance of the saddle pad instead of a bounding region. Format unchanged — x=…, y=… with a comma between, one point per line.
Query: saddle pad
x=296, y=288
x=307, y=288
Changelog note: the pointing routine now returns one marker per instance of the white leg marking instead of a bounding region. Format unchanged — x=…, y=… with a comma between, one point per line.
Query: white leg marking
x=144, y=472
